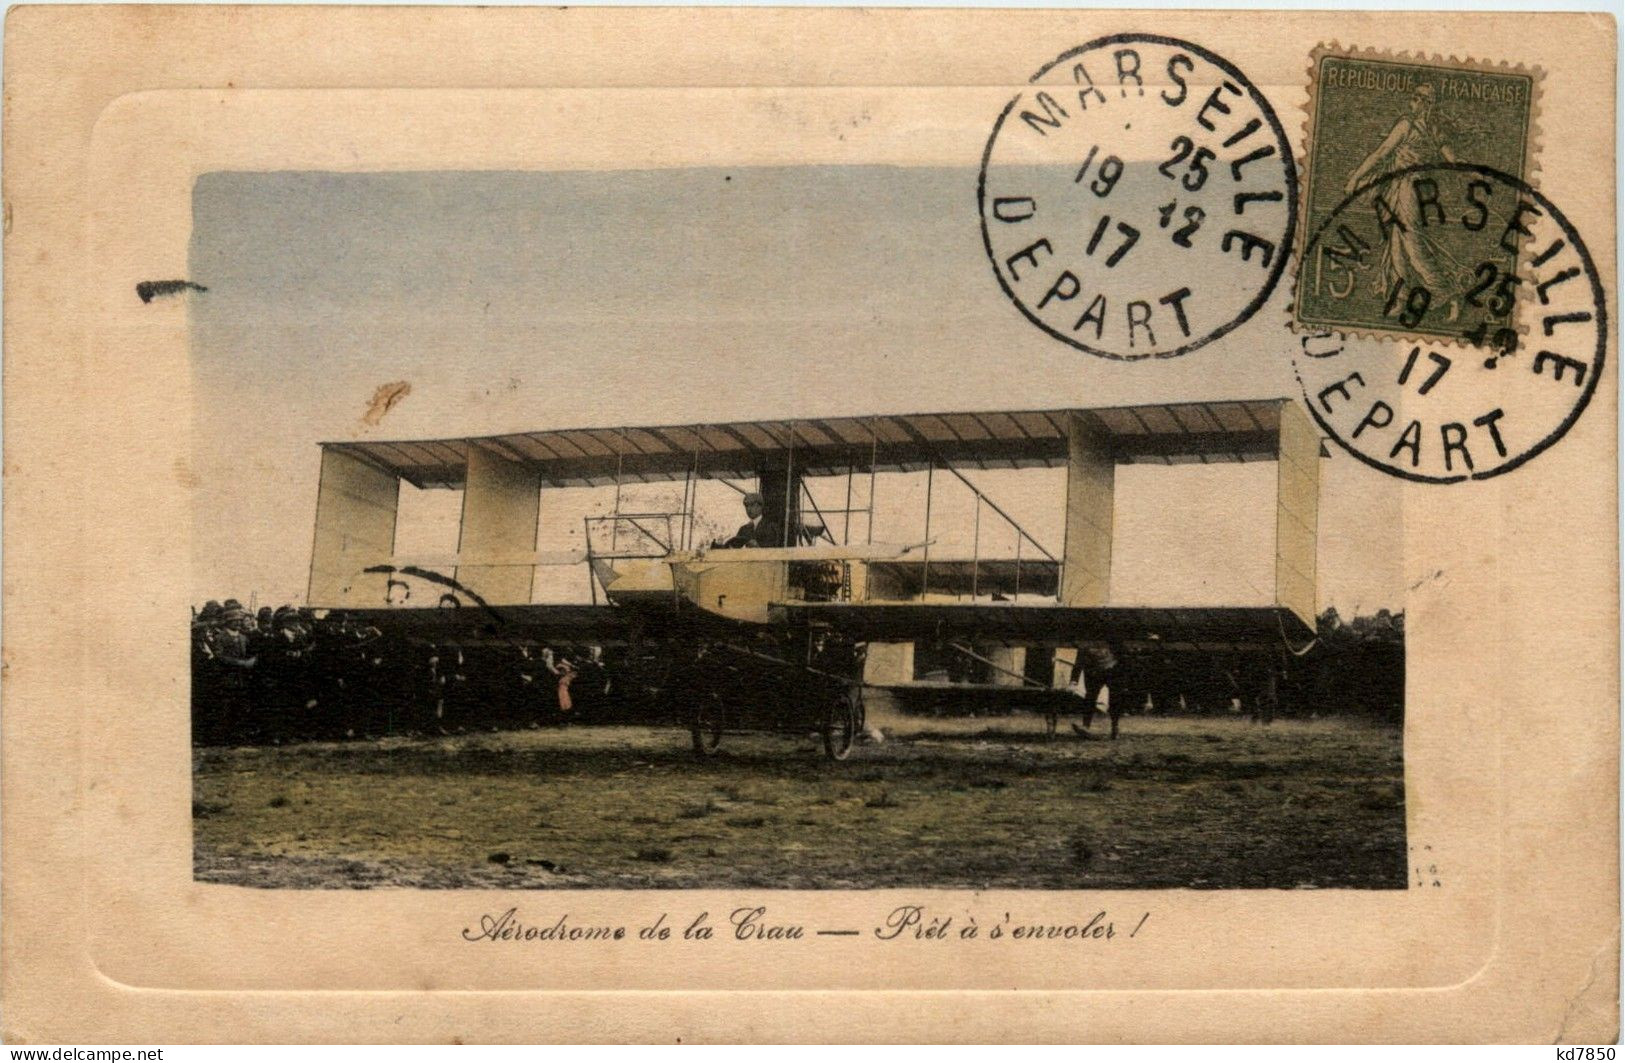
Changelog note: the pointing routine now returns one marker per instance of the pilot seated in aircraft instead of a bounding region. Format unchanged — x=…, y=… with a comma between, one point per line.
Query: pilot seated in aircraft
x=757, y=531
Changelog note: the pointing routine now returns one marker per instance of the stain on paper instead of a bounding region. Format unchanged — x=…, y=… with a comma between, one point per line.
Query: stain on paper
x=384, y=400
x=149, y=290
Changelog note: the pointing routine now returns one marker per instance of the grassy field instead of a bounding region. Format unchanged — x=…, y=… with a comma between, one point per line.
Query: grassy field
x=945, y=803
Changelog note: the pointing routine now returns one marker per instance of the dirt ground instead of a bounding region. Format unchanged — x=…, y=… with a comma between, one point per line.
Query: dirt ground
x=1197, y=803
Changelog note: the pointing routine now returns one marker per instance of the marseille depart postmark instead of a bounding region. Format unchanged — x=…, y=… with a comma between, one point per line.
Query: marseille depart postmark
x=1437, y=411
x=1139, y=199
x=1371, y=115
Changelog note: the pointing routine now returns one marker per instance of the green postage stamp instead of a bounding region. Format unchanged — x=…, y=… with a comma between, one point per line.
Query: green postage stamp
x=1397, y=198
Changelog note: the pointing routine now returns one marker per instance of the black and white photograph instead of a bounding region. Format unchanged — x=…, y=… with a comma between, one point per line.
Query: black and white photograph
x=942, y=625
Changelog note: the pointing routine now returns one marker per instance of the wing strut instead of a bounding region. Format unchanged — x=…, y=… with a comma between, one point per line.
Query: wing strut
x=1025, y=679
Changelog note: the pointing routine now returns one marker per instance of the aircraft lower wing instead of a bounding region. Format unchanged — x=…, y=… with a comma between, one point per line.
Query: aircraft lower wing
x=1049, y=624
x=593, y=624
x=600, y=625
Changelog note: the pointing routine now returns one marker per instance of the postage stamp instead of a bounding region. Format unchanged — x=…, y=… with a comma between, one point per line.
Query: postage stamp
x=1138, y=201
x=1441, y=414
x=1372, y=115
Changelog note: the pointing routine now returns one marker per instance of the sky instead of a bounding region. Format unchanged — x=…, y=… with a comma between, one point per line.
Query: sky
x=514, y=301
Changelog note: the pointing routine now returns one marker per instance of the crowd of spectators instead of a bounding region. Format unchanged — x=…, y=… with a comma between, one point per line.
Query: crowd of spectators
x=1355, y=668
x=285, y=674
x=1351, y=668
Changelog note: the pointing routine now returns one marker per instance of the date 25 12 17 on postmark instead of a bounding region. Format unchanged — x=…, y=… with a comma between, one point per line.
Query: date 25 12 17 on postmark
x=1395, y=268
x=1139, y=199
x=1440, y=413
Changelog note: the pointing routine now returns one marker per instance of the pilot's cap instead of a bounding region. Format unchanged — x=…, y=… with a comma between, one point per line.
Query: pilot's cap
x=753, y=496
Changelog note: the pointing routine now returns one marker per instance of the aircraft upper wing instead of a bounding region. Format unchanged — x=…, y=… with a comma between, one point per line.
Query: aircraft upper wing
x=1047, y=623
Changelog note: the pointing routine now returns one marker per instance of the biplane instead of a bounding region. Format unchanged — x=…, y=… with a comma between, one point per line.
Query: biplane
x=795, y=635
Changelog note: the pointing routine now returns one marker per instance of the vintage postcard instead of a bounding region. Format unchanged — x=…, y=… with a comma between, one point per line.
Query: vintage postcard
x=706, y=525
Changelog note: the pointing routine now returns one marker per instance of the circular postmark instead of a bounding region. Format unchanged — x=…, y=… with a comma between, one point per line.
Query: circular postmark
x=1514, y=282
x=1138, y=201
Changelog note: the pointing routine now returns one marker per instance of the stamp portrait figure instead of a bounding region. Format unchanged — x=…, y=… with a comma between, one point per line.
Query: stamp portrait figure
x=1412, y=251
x=1408, y=255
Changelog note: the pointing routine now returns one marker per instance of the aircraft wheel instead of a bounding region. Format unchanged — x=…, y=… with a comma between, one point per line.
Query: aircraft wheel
x=705, y=728
x=1051, y=719
x=841, y=723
